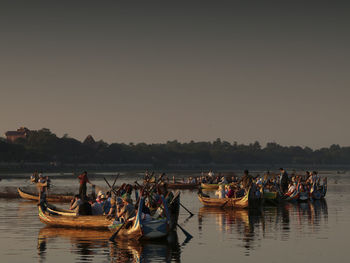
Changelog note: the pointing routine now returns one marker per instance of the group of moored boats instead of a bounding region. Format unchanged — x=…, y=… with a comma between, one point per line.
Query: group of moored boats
x=267, y=189
x=254, y=191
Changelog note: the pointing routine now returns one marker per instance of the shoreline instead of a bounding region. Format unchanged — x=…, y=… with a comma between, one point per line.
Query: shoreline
x=15, y=168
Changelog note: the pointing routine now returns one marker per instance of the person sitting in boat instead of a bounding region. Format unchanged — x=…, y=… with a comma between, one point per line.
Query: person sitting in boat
x=125, y=210
x=98, y=198
x=291, y=189
x=231, y=192
x=106, y=203
x=220, y=192
x=223, y=180
x=96, y=207
x=113, y=203
x=226, y=189
x=34, y=177
x=75, y=203
x=163, y=190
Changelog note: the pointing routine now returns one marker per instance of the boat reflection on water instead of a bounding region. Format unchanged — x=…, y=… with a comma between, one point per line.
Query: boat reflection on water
x=93, y=243
x=231, y=221
x=270, y=222
x=168, y=250
x=86, y=242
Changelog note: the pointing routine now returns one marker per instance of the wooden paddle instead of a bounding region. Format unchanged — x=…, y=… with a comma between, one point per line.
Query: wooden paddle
x=112, y=238
x=115, y=180
x=224, y=204
x=114, y=191
x=186, y=209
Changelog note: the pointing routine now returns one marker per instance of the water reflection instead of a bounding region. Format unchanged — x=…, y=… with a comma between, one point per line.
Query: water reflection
x=274, y=222
x=90, y=243
x=148, y=251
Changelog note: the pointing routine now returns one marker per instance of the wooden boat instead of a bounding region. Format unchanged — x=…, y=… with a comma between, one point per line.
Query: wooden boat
x=303, y=196
x=52, y=218
x=242, y=202
x=291, y=198
x=270, y=195
x=59, y=211
x=209, y=186
x=50, y=198
x=182, y=186
x=151, y=229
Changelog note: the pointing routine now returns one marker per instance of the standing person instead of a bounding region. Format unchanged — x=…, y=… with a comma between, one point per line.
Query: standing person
x=284, y=180
x=42, y=184
x=83, y=179
x=247, y=179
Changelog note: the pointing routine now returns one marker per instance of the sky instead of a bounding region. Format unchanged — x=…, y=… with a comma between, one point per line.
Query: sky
x=153, y=71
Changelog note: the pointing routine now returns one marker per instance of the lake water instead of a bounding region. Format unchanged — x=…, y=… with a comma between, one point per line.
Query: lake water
x=309, y=232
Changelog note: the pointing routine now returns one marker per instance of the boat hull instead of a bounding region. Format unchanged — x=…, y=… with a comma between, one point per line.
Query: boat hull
x=225, y=202
x=51, y=198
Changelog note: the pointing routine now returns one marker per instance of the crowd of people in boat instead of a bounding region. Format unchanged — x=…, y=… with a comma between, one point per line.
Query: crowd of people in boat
x=118, y=204
x=305, y=185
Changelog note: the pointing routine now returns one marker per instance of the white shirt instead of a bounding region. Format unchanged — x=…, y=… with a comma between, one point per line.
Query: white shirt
x=220, y=193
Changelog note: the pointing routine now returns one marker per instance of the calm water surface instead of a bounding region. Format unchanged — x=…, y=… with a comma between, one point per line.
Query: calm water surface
x=310, y=232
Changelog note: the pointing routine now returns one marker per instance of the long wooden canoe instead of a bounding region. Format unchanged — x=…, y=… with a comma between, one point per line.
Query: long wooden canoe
x=50, y=198
x=209, y=186
x=151, y=229
x=59, y=211
x=270, y=195
x=54, y=219
x=242, y=202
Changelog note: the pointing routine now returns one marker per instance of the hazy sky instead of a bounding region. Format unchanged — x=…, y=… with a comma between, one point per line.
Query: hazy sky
x=154, y=71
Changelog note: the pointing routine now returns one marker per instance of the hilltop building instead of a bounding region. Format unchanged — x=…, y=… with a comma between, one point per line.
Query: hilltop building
x=12, y=136
x=89, y=140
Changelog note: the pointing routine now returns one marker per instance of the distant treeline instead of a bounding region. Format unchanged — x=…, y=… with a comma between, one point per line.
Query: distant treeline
x=44, y=146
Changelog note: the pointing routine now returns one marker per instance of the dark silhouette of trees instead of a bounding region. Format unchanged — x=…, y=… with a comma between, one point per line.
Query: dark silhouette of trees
x=45, y=146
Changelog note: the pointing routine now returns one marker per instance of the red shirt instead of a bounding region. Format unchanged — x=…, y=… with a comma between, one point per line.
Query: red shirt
x=83, y=179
